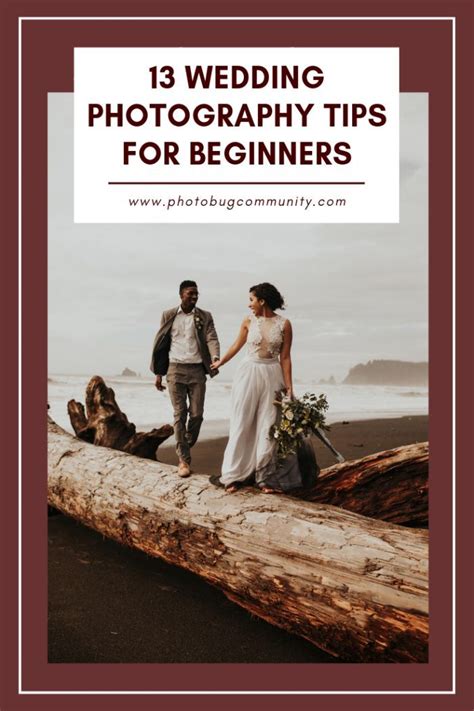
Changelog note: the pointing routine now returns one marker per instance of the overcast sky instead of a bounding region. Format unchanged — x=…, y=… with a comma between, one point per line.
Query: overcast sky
x=354, y=292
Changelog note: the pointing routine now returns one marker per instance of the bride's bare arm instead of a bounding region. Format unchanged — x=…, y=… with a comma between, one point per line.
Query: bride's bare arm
x=285, y=357
x=235, y=347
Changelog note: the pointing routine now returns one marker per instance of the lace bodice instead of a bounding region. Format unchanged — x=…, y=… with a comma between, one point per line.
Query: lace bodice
x=265, y=336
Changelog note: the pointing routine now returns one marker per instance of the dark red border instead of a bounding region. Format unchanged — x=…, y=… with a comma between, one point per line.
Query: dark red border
x=47, y=66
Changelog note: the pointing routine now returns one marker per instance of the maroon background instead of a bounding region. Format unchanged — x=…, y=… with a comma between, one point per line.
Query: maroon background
x=425, y=65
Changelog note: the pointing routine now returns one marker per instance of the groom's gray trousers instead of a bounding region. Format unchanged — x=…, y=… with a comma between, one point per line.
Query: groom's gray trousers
x=187, y=389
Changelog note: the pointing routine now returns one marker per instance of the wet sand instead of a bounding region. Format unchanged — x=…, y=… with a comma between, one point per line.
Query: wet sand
x=111, y=604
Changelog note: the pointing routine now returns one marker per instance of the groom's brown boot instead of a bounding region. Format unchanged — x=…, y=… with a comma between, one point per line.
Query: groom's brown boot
x=184, y=469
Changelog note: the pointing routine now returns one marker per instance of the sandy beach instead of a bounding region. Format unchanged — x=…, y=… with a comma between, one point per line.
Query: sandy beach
x=127, y=607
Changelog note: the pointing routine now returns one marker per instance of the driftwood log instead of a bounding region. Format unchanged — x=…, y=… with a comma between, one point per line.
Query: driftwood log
x=103, y=423
x=354, y=586
x=390, y=485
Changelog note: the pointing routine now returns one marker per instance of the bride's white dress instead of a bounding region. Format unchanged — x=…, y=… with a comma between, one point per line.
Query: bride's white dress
x=250, y=451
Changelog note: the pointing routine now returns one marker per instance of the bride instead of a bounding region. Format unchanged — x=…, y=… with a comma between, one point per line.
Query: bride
x=266, y=369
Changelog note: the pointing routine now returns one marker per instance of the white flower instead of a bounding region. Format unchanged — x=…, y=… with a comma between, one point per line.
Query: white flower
x=289, y=415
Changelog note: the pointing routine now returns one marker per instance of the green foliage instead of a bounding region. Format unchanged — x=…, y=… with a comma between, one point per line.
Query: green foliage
x=297, y=419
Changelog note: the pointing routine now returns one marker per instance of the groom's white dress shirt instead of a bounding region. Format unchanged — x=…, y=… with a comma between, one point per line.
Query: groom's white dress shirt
x=184, y=345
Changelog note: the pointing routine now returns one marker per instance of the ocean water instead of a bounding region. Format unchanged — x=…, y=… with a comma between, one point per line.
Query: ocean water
x=147, y=408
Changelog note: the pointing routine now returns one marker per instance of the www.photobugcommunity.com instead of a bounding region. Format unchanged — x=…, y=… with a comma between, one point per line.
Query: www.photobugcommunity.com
x=231, y=203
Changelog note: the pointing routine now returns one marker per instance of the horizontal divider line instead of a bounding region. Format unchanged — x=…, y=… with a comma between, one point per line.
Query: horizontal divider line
x=115, y=182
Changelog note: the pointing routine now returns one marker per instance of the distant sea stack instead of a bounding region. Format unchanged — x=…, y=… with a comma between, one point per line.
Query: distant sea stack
x=329, y=381
x=388, y=372
x=127, y=371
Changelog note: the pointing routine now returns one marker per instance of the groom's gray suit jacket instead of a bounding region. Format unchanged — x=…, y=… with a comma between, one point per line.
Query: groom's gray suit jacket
x=206, y=337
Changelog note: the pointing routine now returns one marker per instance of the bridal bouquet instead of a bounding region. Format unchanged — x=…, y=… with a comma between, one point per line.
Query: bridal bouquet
x=297, y=419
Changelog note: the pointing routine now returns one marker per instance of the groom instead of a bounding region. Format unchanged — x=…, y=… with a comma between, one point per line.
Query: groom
x=184, y=348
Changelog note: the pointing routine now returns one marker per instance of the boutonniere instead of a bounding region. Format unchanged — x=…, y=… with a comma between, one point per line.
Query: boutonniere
x=197, y=322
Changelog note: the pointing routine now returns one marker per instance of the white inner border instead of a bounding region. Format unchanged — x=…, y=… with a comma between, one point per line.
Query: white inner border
x=273, y=692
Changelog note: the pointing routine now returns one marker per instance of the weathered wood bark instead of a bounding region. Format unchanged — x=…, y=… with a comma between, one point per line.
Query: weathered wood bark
x=353, y=586
x=390, y=485
x=107, y=426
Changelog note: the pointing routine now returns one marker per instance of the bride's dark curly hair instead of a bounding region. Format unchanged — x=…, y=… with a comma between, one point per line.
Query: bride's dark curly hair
x=269, y=294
